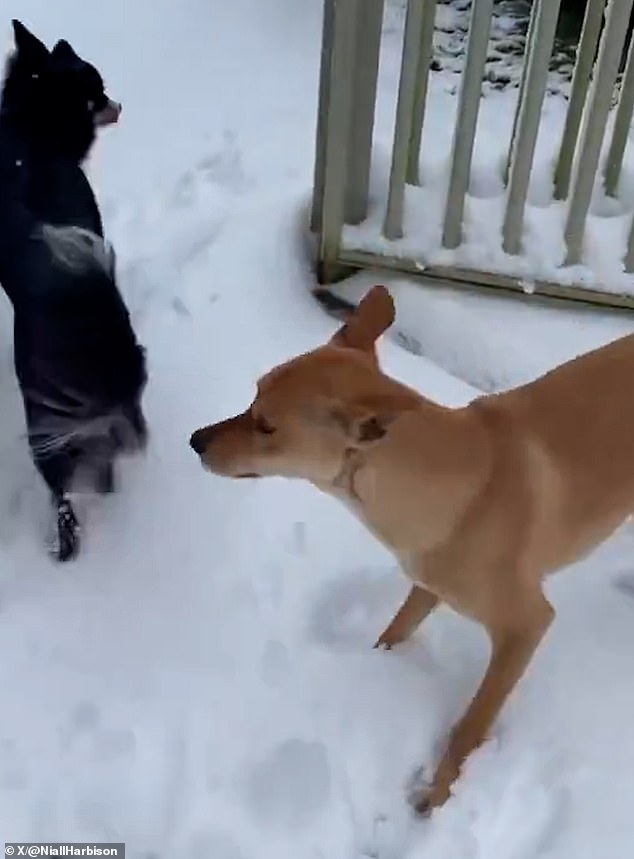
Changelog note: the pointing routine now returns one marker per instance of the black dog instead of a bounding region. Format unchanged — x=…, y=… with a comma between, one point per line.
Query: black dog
x=79, y=366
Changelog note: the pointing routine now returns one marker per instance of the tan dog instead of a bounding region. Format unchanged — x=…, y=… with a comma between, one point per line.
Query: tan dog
x=477, y=503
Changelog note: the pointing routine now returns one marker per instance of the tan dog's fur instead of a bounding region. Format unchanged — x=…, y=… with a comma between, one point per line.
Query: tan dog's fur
x=477, y=503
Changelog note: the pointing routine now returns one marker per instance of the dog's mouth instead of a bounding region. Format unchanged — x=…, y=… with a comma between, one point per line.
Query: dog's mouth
x=244, y=475
x=109, y=114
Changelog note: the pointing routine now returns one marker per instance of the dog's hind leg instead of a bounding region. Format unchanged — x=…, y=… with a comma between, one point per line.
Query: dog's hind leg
x=96, y=459
x=104, y=477
x=138, y=424
x=514, y=642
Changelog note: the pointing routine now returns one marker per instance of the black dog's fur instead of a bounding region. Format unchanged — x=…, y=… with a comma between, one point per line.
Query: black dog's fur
x=80, y=368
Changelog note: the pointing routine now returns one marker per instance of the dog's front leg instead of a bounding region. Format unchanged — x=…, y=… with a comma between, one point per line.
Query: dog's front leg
x=512, y=649
x=412, y=613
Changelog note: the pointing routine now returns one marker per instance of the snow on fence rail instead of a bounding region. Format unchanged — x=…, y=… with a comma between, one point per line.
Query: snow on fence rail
x=561, y=248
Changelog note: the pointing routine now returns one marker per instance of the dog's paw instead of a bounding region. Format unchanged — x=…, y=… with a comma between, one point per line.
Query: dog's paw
x=418, y=791
x=389, y=639
x=425, y=793
x=425, y=800
x=65, y=540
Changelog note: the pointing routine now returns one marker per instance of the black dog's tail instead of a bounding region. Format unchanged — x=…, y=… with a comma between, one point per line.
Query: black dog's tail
x=122, y=430
x=76, y=250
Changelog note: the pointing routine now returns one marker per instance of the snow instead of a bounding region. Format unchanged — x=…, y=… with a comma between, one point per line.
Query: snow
x=201, y=682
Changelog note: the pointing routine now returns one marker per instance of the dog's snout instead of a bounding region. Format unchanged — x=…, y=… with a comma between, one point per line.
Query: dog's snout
x=198, y=441
x=109, y=114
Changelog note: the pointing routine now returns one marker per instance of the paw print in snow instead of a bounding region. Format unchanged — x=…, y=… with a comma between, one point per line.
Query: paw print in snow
x=225, y=168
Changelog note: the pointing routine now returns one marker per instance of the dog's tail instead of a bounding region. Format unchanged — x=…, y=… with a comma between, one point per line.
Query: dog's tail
x=53, y=431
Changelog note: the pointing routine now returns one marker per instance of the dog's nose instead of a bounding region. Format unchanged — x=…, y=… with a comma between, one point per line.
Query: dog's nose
x=109, y=114
x=197, y=442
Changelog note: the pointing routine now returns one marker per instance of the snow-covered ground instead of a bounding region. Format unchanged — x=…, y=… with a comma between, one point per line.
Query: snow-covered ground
x=201, y=683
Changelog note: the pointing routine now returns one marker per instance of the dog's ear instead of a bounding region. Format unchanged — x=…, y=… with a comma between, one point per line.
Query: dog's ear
x=27, y=44
x=368, y=420
x=63, y=51
x=374, y=315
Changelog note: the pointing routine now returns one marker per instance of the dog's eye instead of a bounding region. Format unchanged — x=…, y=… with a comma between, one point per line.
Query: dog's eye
x=263, y=426
x=91, y=105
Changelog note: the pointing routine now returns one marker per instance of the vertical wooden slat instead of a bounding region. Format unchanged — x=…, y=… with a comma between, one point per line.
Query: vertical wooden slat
x=629, y=255
x=425, y=55
x=579, y=91
x=393, y=224
x=598, y=108
x=467, y=117
x=522, y=90
x=622, y=124
x=336, y=130
x=545, y=14
x=323, y=106
x=366, y=70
